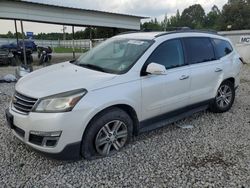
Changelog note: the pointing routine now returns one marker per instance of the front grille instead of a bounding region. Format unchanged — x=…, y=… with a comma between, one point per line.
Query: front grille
x=22, y=103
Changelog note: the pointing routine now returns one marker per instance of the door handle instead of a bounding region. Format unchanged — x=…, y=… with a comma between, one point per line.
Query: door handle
x=184, y=77
x=218, y=70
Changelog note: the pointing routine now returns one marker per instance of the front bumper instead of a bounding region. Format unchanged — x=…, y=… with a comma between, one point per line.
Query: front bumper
x=68, y=146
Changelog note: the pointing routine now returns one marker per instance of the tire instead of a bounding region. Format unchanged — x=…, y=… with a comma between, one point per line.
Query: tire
x=224, y=98
x=31, y=59
x=96, y=133
x=18, y=61
x=13, y=62
x=41, y=60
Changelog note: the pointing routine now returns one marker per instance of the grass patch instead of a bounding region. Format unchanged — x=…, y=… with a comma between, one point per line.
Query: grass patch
x=68, y=50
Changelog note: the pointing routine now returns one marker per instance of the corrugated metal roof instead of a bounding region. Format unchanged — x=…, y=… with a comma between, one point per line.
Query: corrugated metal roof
x=61, y=6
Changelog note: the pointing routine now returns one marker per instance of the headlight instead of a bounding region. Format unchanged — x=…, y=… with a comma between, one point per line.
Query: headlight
x=62, y=102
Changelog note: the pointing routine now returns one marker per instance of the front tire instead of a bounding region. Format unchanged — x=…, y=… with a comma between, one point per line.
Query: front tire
x=224, y=98
x=107, y=134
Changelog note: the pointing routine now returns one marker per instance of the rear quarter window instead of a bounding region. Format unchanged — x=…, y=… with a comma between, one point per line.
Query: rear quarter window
x=222, y=47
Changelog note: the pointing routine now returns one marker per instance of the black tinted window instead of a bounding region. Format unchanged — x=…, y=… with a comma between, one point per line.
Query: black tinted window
x=169, y=54
x=222, y=47
x=199, y=50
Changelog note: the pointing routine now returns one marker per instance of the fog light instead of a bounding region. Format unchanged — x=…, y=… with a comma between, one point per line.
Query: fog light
x=46, y=139
x=51, y=143
x=45, y=134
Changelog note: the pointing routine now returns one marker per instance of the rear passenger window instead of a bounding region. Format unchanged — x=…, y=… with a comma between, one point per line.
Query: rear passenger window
x=198, y=50
x=169, y=54
x=222, y=47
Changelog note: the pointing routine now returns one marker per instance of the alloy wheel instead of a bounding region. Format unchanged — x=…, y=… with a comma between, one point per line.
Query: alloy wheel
x=111, y=137
x=224, y=96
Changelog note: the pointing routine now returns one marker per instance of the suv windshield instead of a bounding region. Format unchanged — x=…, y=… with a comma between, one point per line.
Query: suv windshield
x=114, y=55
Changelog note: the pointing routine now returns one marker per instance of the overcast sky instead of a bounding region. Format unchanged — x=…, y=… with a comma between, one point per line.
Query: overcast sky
x=150, y=8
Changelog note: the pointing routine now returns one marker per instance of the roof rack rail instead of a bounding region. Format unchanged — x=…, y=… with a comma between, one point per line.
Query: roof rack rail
x=150, y=30
x=188, y=30
x=128, y=32
x=177, y=28
x=138, y=31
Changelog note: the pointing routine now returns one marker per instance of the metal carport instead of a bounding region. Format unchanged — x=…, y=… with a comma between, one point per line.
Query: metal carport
x=54, y=14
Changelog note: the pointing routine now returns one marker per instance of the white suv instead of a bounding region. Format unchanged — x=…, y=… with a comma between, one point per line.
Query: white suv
x=129, y=84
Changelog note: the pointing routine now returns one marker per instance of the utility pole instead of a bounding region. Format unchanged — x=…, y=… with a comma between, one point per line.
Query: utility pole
x=73, y=41
x=90, y=38
x=24, y=50
x=16, y=32
x=64, y=33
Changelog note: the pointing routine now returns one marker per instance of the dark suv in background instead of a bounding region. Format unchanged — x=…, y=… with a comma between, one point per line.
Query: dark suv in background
x=13, y=46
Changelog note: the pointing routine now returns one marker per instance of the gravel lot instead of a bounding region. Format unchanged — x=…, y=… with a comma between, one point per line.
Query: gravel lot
x=214, y=153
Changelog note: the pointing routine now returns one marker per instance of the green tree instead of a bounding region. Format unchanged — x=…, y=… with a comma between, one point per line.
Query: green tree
x=178, y=18
x=175, y=21
x=152, y=25
x=104, y=32
x=89, y=31
x=235, y=13
x=212, y=18
x=164, y=23
x=79, y=34
x=193, y=17
x=9, y=35
x=17, y=34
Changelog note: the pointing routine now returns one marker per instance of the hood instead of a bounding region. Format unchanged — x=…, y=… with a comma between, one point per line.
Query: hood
x=60, y=78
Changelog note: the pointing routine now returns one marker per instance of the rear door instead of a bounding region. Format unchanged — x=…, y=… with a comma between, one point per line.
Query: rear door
x=206, y=70
x=165, y=93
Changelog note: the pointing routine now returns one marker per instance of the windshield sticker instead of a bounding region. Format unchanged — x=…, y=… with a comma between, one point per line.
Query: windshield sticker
x=136, y=42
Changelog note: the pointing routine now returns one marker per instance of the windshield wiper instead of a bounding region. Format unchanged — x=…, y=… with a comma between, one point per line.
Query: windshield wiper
x=93, y=67
x=73, y=61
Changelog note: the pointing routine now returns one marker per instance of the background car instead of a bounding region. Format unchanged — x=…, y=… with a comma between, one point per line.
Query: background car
x=6, y=57
x=28, y=45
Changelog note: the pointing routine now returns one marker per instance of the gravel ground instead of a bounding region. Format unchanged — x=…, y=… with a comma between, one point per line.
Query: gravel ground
x=214, y=153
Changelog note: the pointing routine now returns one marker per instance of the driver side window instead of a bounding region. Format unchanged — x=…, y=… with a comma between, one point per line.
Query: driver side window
x=169, y=54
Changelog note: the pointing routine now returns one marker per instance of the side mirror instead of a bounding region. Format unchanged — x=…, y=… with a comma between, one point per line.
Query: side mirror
x=156, y=69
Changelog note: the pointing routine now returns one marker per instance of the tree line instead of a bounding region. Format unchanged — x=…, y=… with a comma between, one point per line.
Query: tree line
x=235, y=15
x=82, y=34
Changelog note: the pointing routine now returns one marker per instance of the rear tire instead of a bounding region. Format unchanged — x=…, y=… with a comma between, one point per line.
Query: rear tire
x=106, y=134
x=224, y=98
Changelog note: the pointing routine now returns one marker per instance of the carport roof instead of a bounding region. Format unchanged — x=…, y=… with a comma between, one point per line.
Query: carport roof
x=61, y=6
x=56, y=14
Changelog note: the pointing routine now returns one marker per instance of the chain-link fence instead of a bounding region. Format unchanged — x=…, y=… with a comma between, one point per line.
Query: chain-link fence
x=84, y=43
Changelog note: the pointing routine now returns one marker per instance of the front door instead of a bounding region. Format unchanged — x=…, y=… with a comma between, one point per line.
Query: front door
x=165, y=93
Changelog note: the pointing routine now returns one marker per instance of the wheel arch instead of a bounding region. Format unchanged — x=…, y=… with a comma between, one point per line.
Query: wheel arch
x=213, y=104
x=230, y=79
x=125, y=107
